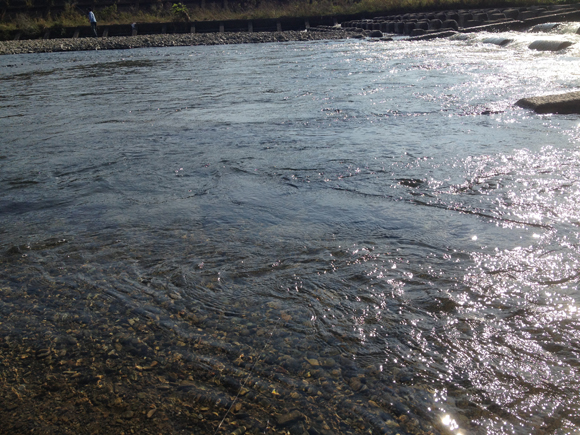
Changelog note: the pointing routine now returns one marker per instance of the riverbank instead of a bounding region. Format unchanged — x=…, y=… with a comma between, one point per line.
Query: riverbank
x=166, y=40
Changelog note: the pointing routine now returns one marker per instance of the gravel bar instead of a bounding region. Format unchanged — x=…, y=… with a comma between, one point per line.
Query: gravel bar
x=164, y=40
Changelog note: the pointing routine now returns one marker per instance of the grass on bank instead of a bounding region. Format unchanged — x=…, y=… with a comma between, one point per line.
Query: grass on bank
x=72, y=16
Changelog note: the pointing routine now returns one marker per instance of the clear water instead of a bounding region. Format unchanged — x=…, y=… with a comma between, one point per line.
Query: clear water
x=380, y=211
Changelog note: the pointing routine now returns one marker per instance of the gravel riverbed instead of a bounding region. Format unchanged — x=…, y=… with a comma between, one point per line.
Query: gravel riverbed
x=164, y=40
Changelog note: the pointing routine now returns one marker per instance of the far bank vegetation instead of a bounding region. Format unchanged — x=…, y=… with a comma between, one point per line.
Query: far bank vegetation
x=32, y=16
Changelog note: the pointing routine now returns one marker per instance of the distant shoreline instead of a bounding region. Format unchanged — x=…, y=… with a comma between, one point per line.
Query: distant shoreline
x=416, y=26
x=164, y=40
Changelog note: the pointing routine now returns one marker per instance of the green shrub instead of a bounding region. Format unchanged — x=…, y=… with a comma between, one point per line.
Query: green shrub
x=27, y=25
x=70, y=16
x=108, y=13
x=180, y=11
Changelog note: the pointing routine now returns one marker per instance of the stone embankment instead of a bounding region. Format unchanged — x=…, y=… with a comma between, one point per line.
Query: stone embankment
x=165, y=40
x=420, y=24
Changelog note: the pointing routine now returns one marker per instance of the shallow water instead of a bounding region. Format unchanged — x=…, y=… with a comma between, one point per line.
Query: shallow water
x=378, y=217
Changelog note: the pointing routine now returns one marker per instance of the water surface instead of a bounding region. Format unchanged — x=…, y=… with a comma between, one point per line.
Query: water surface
x=371, y=233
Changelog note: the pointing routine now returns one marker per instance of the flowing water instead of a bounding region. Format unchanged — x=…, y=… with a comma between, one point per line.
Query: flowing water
x=368, y=232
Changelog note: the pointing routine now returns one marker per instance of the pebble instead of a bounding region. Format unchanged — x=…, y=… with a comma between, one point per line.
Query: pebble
x=355, y=384
x=289, y=418
x=127, y=414
x=313, y=362
x=43, y=353
x=327, y=363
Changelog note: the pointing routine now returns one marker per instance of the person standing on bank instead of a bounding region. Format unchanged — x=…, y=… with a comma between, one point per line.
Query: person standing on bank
x=93, y=21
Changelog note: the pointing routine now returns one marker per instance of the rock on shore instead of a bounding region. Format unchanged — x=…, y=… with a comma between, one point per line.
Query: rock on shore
x=164, y=40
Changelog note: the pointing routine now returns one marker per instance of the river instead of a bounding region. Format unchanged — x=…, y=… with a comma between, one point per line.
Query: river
x=368, y=233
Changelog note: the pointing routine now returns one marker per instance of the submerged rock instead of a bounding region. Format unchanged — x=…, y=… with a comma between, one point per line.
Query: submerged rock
x=497, y=41
x=549, y=45
x=545, y=27
x=561, y=103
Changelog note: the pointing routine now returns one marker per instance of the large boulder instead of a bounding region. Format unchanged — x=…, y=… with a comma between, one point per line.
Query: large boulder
x=561, y=103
